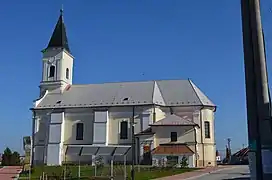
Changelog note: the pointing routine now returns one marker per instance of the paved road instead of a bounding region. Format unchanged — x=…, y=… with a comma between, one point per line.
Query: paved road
x=233, y=173
x=9, y=172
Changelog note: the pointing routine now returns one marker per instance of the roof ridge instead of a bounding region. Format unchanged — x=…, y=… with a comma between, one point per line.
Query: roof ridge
x=155, y=83
x=123, y=82
x=190, y=82
x=188, y=120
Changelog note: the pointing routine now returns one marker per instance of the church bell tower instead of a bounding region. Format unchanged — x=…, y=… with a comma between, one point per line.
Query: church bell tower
x=57, y=61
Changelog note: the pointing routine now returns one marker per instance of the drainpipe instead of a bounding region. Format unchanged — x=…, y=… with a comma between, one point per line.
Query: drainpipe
x=201, y=129
x=33, y=139
x=195, y=146
x=154, y=114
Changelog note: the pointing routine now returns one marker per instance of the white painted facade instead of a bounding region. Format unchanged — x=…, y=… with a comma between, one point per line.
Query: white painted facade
x=62, y=61
x=54, y=131
x=98, y=111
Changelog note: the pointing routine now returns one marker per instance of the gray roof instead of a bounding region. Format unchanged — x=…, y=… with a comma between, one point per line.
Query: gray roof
x=162, y=92
x=173, y=120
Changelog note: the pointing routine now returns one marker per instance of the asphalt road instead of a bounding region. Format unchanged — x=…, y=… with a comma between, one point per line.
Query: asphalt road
x=233, y=173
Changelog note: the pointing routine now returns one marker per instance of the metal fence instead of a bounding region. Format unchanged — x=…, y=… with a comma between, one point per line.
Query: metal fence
x=105, y=160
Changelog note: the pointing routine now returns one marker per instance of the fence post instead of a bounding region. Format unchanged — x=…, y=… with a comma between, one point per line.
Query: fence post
x=111, y=168
x=95, y=166
x=79, y=168
x=125, y=167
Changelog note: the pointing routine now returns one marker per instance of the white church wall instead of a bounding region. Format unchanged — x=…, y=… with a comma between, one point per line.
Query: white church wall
x=207, y=114
x=72, y=117
x=185, y=134
x=71, y=120
x=101, y=127
x=114, y=117
x=119, y=114
x=46, y=66
x=41, y=129
x=55, y=139
x=39, y=154
x=66, y=63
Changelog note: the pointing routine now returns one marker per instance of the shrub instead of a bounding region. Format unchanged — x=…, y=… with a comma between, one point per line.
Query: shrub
x=183, y=162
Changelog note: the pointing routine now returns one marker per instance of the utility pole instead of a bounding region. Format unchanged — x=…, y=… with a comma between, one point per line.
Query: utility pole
x=229, y=140
x=229, y=150
x=257, y=92
x=132, y=124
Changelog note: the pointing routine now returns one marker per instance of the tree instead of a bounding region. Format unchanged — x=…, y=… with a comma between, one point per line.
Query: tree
x=6, y=156
x=9, y=158
x=15, y=159
x=184, y=162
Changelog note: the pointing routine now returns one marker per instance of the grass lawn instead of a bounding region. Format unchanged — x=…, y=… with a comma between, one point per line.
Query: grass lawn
x=86, y=172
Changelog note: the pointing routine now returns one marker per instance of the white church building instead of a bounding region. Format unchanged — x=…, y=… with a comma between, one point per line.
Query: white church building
x=148, y=120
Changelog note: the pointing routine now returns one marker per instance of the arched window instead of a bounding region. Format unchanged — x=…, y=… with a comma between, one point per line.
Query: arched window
x=79, y=131
x=67, y=73
x=52, y=71
x=207, y=129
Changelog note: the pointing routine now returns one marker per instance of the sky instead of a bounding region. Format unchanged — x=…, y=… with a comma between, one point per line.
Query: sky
x=133, y=40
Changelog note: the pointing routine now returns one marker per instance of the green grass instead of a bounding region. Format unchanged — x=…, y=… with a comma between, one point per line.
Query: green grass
x=141, y=173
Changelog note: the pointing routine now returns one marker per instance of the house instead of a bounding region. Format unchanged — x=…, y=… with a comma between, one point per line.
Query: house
x=240, y=157
x=150, y=120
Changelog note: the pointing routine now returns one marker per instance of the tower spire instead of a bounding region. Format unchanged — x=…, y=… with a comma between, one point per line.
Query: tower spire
x=61, y=10
x=59, y=38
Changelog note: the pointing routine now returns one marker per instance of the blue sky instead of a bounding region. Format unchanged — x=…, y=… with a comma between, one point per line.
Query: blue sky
x=124, y=40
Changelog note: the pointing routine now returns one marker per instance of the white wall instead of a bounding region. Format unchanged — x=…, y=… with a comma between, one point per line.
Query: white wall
x=71, y=120
x=163, y=134
x=118, y=114
x=209, y=143
x=66, y=62
x=62, y=61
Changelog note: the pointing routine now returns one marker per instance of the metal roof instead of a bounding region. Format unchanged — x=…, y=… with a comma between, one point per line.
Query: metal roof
x=88, y=150
x=59, y=38
x=175, y=149
x=162, y=92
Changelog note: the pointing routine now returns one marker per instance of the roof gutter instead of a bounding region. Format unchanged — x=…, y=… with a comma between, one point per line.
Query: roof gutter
x=117, y=105
x=98, y=107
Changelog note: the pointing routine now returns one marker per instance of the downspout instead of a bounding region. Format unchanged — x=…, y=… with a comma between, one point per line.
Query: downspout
x=201, y=128
x=195, y=146
x=33, y=138
x=154, y=114
x=154, y=120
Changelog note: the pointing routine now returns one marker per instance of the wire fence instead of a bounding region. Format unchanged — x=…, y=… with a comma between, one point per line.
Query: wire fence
x=101, y=169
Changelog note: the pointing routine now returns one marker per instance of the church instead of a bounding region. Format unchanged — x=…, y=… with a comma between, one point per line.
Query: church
x=145, y=122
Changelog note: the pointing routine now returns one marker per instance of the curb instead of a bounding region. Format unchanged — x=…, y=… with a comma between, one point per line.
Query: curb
x=18, y=175
x=204, y=174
